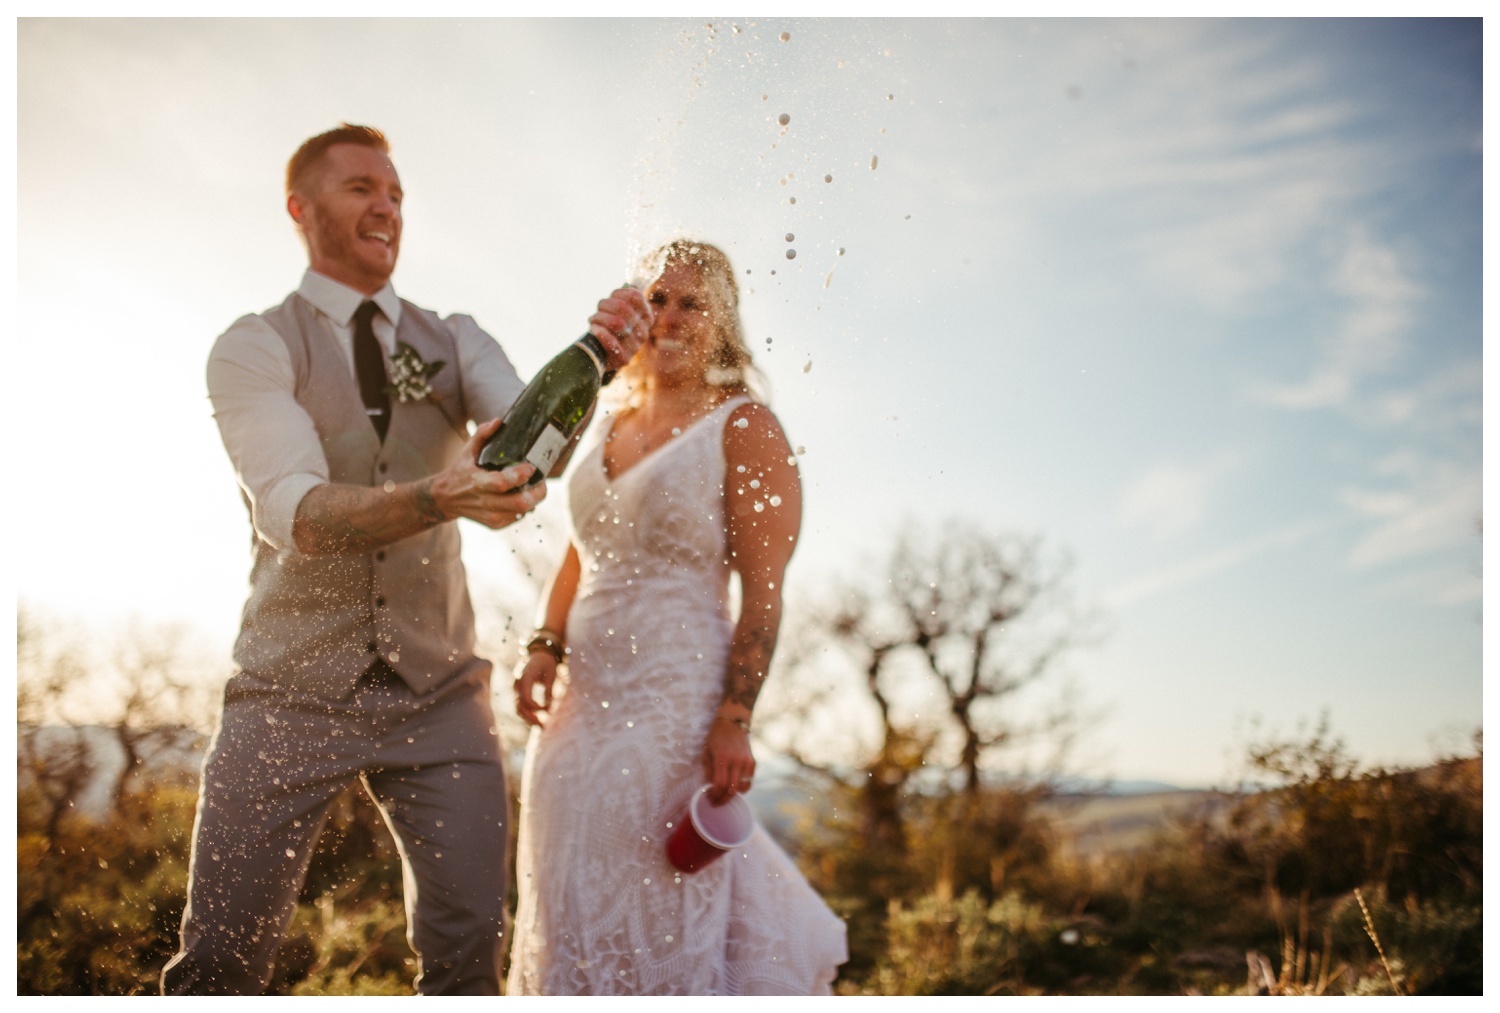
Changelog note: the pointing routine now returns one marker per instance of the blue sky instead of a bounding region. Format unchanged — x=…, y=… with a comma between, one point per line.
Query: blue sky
x=1198, y=302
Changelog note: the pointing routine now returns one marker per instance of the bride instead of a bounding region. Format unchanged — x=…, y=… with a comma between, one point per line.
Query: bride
x=692, y=481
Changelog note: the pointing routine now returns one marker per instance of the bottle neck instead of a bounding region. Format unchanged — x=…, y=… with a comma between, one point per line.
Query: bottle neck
x=595, y=351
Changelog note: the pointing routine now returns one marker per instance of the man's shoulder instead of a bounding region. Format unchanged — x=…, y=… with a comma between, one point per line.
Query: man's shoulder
x=262, y=319
x=252, y=334
x=461, y=327
x=451, y=321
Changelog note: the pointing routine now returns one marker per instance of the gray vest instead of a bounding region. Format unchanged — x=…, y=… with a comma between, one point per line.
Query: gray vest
x=317, y=622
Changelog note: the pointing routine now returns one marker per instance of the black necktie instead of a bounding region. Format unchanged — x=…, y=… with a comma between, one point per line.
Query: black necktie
x=370, y=368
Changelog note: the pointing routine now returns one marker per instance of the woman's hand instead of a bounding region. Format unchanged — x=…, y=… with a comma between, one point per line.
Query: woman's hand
x=727, y=760
x=540, y=671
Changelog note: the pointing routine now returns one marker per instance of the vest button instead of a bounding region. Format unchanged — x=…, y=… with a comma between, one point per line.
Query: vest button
x=372, y=647
x=383, y=467
x=379, y=602
x=380, y=556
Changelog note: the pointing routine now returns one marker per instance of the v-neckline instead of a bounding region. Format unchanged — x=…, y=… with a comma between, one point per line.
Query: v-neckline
x=654, y=451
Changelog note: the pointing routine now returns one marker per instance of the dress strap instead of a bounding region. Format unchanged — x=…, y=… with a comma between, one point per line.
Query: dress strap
x=729, y=406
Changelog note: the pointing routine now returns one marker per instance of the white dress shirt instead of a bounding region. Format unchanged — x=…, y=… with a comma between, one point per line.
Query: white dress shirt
x=272, y=442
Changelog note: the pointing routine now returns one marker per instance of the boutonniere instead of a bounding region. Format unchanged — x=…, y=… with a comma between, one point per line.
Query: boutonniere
x=409, y=375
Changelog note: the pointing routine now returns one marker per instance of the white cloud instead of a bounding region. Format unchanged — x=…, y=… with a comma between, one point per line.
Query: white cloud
x=1444, y=585
x=1449, y=399
x=1172, y=498
x=1433, y=505
x=1207, y=565
x=1379, y=294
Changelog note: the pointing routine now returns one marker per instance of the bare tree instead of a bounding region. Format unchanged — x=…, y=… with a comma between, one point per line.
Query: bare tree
x=991, y=617
x=929, y=658
x=87, y=714
x=52, y=771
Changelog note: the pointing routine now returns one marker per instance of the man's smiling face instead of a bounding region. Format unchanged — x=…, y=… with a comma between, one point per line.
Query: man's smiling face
x=351, y=216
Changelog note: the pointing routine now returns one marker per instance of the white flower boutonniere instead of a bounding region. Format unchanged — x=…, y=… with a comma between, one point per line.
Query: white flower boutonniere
x=409, y=375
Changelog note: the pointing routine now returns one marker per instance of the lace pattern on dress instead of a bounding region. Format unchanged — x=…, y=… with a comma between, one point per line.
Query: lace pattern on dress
x=601, y=909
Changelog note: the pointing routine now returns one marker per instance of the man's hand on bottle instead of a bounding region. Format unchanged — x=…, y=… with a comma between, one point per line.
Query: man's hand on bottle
x=493, y=498
x=621, y=324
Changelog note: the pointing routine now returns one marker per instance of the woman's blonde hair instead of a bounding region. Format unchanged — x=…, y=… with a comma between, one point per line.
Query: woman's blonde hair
x=730, y=366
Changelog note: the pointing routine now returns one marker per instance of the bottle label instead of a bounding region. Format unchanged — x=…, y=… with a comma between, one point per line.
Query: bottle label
x=547, y=449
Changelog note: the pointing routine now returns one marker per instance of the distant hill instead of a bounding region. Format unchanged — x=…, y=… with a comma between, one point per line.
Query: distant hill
x=1095, y=824
x=1093, y=816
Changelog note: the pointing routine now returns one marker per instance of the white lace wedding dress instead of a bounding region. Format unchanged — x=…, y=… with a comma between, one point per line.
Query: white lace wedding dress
x=601, y=909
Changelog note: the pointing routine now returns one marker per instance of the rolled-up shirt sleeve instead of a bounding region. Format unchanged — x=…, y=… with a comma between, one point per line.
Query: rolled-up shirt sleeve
x=270, y=439
x=490, y=382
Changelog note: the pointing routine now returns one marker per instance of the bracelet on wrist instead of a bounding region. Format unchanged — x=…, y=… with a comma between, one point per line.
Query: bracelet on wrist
x=547, y=640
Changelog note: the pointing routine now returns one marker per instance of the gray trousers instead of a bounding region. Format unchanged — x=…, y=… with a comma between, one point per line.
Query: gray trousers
x=279, y=759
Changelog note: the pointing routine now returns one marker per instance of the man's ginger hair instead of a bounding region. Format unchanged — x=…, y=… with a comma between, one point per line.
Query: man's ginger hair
x=301, y=167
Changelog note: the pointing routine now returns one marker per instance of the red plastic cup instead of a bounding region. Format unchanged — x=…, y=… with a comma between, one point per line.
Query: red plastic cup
x=708, y=830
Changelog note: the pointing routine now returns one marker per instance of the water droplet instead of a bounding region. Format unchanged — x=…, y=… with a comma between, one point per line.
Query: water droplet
x=841, y=251
x=740, y=469
x=890, y=98
x=755, y=483
x=775, y=501
x=789, y=200
x=676, y=431
x=389, y=486
x=784, y=119
x=605, y=705
x=791, y=254
x=630, y=724
x=457, y=774
x=647, y=881
x=790, y=237
x=808, y=367
x=828, y=178
x=785, y=37
x=801, y=451
x=395, y=657
x=425, y=560
x=742, y=423
x=291, y=853
x=874, y=161
x=764, y=97
x=625, y=771
x=759, y=506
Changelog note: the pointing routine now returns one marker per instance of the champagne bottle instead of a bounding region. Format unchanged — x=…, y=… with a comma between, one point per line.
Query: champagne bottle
x=546, y=417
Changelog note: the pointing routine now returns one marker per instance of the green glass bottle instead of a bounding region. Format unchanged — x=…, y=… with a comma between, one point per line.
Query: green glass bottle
x=546, y=417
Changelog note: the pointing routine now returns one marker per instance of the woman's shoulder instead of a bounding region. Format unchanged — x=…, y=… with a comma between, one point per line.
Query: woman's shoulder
x=751, y=428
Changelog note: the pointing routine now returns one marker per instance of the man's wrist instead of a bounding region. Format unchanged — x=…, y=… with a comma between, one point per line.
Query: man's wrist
x=425, y=500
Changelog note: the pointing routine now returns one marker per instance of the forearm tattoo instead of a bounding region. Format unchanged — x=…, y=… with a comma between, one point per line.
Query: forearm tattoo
x=344, y=519
x=749, y=662
x=426, y=503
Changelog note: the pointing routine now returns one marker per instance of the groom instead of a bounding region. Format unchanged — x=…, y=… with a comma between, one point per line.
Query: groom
x=355, y=657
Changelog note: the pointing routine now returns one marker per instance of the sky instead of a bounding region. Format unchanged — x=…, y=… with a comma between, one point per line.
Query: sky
x=1199, y=303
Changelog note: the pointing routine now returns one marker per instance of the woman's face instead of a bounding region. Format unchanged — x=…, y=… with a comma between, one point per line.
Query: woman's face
x=683, y=333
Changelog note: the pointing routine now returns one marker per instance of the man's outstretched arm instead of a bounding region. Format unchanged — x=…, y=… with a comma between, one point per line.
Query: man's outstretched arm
x=345, y=519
